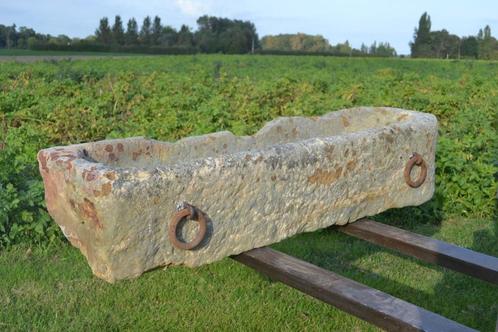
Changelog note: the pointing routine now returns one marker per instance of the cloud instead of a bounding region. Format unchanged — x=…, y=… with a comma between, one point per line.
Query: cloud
x=192, y=7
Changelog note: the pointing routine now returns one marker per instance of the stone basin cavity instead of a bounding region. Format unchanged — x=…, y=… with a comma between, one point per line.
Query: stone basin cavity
x=126, y=203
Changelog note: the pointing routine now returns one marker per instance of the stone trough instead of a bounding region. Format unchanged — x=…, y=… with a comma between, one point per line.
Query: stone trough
x=131, y=205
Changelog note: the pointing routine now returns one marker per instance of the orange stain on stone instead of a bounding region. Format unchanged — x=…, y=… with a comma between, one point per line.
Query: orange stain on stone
x=345, y=121
x=351, y=165
x=89, y=175
x=87, y=211
x=106, y=189
x=42, y=158
x=324, y=177
x=110, y=175
x=137, y=154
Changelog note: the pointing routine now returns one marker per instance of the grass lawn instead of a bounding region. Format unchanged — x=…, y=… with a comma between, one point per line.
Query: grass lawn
x=54, y=289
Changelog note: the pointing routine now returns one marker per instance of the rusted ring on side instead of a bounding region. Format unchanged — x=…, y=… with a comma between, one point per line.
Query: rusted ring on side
x=415, y=159
x=192, y=213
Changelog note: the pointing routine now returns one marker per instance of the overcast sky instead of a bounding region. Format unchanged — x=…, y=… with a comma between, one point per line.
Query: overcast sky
x=354, y=20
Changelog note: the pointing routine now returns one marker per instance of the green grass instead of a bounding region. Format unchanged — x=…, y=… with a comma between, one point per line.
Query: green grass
x=168, y=97
x=55, y=290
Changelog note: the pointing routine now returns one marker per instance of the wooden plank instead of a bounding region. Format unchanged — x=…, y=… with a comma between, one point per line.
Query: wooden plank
x=369, y=304
x=427, y=249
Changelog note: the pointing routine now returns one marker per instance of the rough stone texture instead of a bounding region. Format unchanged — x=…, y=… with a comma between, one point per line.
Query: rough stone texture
x=114, y=199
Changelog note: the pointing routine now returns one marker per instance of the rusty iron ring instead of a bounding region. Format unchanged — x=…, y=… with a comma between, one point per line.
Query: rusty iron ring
x=192, y=213
x=415, y=159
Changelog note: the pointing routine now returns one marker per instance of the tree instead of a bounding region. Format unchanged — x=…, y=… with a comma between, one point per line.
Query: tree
x=487, y=32
x=131, y=35
x=157, y=29
x=373, y=49
x=363, y=49
x=145, y=36
x=234, y=40
x=207, y=35
x=480, y=35
x=185, y=37
x=488, y=46
x=168, y=37
x=299, y=42
x=11, y=36
x=469, y=47
x=3, y=36
x=32, y=42
x=216, y=34
x=344, y=48
x=421, y=45
x=383, y=49
x=23, y=35
x=103, y=34
x=118, y=35
x=59, y=40
x=444, y=44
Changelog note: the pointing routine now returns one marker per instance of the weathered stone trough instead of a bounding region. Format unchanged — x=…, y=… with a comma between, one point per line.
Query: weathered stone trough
x=134, y=204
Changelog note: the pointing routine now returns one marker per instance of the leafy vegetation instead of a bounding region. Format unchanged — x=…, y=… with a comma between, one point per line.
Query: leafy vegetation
x=44, y=284
x=58, y=103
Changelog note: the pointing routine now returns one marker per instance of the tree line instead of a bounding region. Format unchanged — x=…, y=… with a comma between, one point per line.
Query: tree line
x=442, y=44
x=223, y=35
x=301, y=42
x=213, y=35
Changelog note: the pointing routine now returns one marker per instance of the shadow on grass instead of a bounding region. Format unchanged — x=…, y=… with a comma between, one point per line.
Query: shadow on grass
x=469, y=301
x=478, y=311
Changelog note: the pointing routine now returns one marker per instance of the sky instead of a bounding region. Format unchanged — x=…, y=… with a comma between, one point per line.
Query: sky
x=337, y=20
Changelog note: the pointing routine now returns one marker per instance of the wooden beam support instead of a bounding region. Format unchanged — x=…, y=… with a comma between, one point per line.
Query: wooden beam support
x=369, y=304
x=425, y=248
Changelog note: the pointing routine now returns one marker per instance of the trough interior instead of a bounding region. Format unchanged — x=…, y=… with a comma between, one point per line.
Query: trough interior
x=144, y=153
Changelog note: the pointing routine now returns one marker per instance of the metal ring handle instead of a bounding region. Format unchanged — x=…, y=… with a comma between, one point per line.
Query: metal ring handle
x=192, y=213
x=415, y=159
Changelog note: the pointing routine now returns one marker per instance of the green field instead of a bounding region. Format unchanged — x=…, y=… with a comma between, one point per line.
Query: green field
x=46, y=284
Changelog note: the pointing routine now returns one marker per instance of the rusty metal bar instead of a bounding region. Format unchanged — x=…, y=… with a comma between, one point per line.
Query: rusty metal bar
x=427, y=249
x=369, y=304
